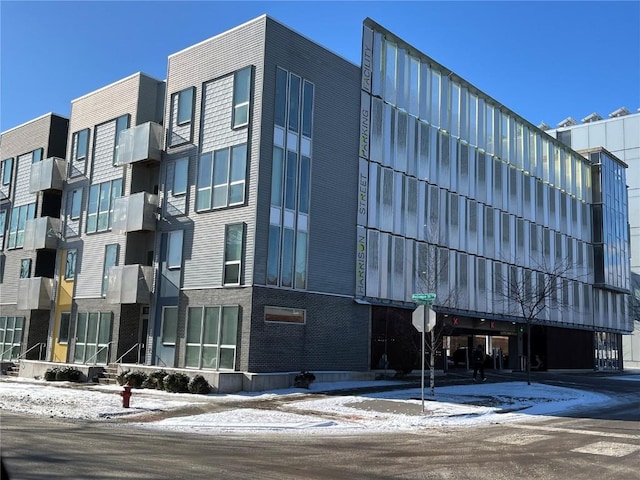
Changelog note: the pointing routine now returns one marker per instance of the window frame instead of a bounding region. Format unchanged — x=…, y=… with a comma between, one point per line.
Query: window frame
x=89, y=228
x=282, y=313
x=39, y=156
x=228, y=263
x=76, y=203
x=67, y=330
x=25, y=267
x=184, y=185
x=241, y=99
x=163, y=327
x=106, y=266
x=127, y=119
x=70, y=263
x=219, y=345
x=174, y=234
x=16, y=213
x=3, y=224
x=181, y=104
x=76, y=142
x=7, y=173
x=208, y=185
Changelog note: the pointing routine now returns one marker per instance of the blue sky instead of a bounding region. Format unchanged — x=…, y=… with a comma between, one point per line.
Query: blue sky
x=544, y=60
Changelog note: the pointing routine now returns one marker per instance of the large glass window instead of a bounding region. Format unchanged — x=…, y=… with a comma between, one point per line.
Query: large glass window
x=100, y=209
x=185, y=106
x=7, y=170
x=174, y=249
x=10, y=337
x=70, y=264
x=233, y=253
x=241, y=97
x=93, y=335
x=212, y=334
x=169, y=325
x=36, y=155
x=110, y=260
x=3, y=224
x=25, y=268
x=284, y=315
x=221, y=178
x=294, y=103
x=76, y=203
x=19, y=217
x=63, y=329
x=180, y=176
x=280, y=116
x=80, y=145
x=122, y=123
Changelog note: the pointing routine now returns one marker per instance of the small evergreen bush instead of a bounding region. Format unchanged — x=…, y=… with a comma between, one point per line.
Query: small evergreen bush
x=176, y=383
x=50, y=374
x=199, y=385
x=64, y=374
x=121, y=378
x=134, y=379
x=303, y=379
x=155, y=380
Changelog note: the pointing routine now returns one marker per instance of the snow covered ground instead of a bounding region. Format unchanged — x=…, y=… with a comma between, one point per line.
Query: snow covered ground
x=293, y=410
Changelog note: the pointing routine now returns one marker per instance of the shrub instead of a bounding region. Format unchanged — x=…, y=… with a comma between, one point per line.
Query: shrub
x=176, y=383
x=303, y=379
x=74, y=374
x=135, y=379
x=50, y=374
x=199, y=385
x=155, y=380
x=121, y=378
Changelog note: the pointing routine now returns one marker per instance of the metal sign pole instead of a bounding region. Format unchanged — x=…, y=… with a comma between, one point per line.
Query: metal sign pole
x=424, y=327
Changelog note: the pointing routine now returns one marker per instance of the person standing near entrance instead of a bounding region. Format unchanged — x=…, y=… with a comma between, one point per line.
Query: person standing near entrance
x=478, y=363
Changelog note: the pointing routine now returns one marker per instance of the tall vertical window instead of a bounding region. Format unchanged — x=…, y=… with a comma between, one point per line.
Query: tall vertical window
x=3, y=223
x=122, y=124
x=169, y=325
x=221, y=178
x=70, y=264
x=36, y=155
x=174, y=249
x=110, y=260
x=7, y=170
x=25, y=268
x=19, y=217
x=241, y=97
x=281, y=97
x=294, y=103
x=233, y=253
x=80, y=147
x=180, y=176
x=10, y=337
x=76, y=203
x=212, y=334
x=100, y=209
x=63, y=329
x=93, y=333
x=185, y=106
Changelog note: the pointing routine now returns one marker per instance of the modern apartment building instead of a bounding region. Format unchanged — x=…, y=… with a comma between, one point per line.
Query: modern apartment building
x=272, y=207
x=619, y=133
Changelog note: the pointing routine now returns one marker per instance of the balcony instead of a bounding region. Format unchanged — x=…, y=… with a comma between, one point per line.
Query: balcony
x=35, y=293
x=140, y=144
x=135, y=213
x=42, y=232
x=48, y=174
x=130, y=284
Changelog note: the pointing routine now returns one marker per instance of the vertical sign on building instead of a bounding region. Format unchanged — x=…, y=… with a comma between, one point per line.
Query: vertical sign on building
x=363, y=152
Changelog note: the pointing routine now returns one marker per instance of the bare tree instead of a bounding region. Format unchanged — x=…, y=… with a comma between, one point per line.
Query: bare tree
x=532, y=293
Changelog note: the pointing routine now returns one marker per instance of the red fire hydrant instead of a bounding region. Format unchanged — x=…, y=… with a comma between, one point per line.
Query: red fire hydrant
x=126, y=395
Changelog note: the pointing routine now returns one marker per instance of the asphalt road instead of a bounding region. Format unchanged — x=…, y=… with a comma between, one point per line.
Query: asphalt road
x=599, y=444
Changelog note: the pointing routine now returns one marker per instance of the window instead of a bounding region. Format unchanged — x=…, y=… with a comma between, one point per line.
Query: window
x=19, y=217
x=241, y=97
x=212, y=334
x=122, y=123
x=233, y=253
x=110, y=260
x=174, y=249
x=10, y=337
x=76, y=203
x=81, y=147
x=36, y=155
x=93, y=334
x=281, y=97
x=294, y=103
x=100, y=208
x=70, y=264
x=3, y=223
x=25, y=268
x=284, y=315
x=185, y=106
x=63, y=329
x=169, y=325
x=221, y=178
x=181, y=176
x=7, y=171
